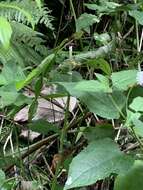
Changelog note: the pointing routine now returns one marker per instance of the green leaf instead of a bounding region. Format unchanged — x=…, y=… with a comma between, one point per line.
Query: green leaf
x=104, y=7
x=137, y=104
x=11, y=74
x=106, y=105
x=124, y=79
x=5, y=32
x=32, y=109
x=23, y=11
x=137, y=15
x=85, y=21
x=36, y=72
x=131, y=116
x=43, y=127
x=103, y=38
x=2, y=177
x=93, y=86
x=98, y=132
x=138, y=127
x=100, y=85
x=38, y=86
x=133, y=180
x=100, y=159
x=100, y=63
x=103, y=104
x=22, y=99
x=100, y=52
x=8, y=95
x=39, y=3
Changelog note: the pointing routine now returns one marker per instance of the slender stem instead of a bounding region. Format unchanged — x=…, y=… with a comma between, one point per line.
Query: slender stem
x=65, y=127
x=141, y=41
x=60, y=24
x=137, y=138
x=137, y=38
x=127, y=99
x=62, y=139
x=32, y=148
x=117, y=107
x=73, y=11
x=75, y=19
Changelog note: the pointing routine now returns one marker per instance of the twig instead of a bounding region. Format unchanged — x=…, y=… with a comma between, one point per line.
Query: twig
x=35, y=147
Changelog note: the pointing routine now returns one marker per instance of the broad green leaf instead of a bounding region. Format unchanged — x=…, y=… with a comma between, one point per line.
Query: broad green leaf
x=103, y=38
x=11, y=74
x=100, y=159
x=124, y=79
x=98, y=132
x=137, y=15
x=133, y=121
x=8, y=95
x=104, y=7
x=133, y=180
x=22, y=99
x=100, y=52
x=131, y=116
x=100, y=85
x=100, y=63
x=103, y=104
x=138, y=127
x=36, y=72
x=93, y=86
x=43, y=127
x=137, y=104
x=106, y=105
x=85, y=21
x=5, y=32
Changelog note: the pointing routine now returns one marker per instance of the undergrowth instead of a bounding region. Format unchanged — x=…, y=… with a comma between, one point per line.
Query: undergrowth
x=71, y=95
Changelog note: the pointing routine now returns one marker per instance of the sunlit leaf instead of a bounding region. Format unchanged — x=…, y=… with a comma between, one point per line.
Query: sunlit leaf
x=85, y=21
x=137, y=104
x=5, y=32
x=124, y=79
x=100, y=159
x=101, y=64
x=138, y=15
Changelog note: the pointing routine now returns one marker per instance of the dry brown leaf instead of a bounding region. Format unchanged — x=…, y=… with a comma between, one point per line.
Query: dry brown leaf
x=27, y=185
x=31, y=135
x=47, y=110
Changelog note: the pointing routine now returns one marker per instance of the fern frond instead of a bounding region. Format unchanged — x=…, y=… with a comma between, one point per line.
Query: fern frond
x=24, y=34
x=27, y=45
x=19, y=12
x=26, y=11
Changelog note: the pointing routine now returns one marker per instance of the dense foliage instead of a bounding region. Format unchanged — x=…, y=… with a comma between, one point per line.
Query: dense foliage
x=71, y=95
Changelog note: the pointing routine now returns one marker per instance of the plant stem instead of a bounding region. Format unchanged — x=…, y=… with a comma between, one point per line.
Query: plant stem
x=62, y=140
x=73, y=11
x=117, y=107
x=137, y=138
x=60, y=24
x=75, y=19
